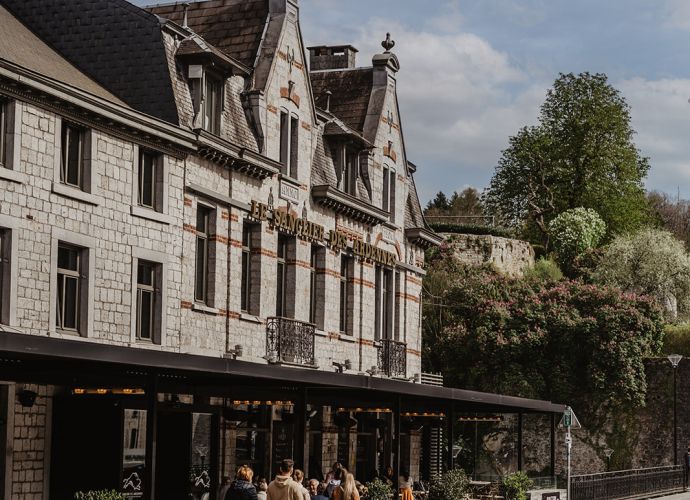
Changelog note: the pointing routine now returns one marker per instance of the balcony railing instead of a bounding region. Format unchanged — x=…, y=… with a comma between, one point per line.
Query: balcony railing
x=393, y=358
x=628, y=484
x=290, y=341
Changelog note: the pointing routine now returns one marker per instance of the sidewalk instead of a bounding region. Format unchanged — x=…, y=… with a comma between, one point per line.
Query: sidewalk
x=680, y=496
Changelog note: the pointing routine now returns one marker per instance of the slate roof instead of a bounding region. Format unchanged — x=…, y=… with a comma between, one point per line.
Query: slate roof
x=350, y=92
x=414, y=216
x=20, y=46
x=232, y=26
x=116, y=43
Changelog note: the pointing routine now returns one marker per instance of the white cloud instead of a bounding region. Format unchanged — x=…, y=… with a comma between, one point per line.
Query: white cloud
x=460, y=100
x=677, y=14
x=661, y=117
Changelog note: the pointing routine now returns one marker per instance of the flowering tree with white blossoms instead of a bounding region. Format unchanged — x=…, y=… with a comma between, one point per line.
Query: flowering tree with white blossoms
x=574, y=231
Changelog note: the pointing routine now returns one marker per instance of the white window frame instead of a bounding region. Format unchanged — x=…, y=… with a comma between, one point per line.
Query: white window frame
x=87, y=245
x=348, y=174
x=289, y=143
x=217, y=107
x=160, y=328
x=207, y=305
x=388, y=190
x=161, y=212
x=88, y=192
x=12, y=141
x=11, y=227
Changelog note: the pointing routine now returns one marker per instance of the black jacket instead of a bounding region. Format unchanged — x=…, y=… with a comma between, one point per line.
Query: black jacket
x=241, y=490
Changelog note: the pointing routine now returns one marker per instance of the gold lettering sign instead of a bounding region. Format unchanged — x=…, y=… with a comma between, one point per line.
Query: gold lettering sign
x=337, y=240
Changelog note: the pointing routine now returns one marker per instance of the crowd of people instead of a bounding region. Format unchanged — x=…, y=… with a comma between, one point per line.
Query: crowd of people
x=290, y=484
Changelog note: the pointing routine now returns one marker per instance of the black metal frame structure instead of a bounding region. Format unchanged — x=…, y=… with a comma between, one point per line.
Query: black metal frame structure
x=36, y=359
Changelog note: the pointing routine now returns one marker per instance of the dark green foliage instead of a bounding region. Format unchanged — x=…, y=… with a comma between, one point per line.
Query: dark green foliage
x=516, y=485
x=452, y=485
x=476, y=229
x=563, y=341
x=677, y=339
x=466, y=203
x=580, y=155
x=379, y=490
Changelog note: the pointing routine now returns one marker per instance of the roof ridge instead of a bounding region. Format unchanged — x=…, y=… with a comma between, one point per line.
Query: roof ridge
x=334, y=70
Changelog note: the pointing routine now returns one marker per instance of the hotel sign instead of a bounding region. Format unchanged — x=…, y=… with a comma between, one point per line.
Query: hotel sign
x=335, y=239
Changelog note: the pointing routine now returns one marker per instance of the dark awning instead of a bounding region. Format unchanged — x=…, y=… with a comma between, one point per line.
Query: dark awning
x=70, y=354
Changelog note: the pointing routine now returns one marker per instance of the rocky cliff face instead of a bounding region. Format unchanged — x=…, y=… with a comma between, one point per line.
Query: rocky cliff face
x=509, y=256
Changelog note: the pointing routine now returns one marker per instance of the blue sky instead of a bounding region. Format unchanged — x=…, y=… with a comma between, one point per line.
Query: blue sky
x=474, y=71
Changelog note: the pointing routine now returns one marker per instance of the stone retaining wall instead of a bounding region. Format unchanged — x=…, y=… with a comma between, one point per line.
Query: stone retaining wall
x=509, y=256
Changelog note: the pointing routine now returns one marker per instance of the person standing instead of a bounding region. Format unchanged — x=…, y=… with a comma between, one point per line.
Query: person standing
x=686, y=462
x=347, y=490
x=242, y=487
x=283, y=487
x=316, y=490
x=299, y=479
x=261, y=488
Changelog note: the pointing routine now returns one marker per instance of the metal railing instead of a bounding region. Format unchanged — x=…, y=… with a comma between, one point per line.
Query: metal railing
x=628, y=484
x=290, y=341
x=393, y=358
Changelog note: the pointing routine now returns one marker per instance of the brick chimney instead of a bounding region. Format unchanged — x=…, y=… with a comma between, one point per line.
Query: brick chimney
x=332, y=57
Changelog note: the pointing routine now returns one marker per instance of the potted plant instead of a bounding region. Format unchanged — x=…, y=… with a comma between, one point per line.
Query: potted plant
x=516, y=485
x=99, y=495
x=379, y=490
x=451, y=485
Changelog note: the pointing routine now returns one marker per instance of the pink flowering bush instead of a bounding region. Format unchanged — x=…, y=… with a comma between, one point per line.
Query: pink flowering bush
x=565, y=341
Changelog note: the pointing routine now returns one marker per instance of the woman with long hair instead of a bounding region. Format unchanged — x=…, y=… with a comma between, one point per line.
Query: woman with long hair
x=347, y=489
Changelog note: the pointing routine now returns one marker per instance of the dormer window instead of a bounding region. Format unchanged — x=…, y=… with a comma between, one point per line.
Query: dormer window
x=213, y=103
x=348, y=169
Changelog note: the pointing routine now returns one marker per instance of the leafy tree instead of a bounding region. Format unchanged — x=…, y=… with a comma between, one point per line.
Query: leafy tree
x=651, y=262
x=575, y=231
x=440, y=202
x=671, y=214
x=564, y=341
x=516, y=486
x=580, y=155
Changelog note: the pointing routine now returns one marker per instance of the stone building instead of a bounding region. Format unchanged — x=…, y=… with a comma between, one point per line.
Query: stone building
x=210, y=255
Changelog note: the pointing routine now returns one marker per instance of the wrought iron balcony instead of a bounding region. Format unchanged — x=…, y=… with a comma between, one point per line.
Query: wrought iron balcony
x=393, y=358
x=290, y=341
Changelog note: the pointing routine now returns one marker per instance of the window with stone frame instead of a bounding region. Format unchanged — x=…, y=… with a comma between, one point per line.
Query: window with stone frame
x=72, y=160
x=317, y=288
x=247, y=295
x=4, y=113
x=348, y=169
x=4, y=269
x=389, y=183
x=71, y=288
x=281, y=275
x=213, y=102
x=148, y=300
x=289, y=143
x=346, y=293
x=383, y=303
x=150, y=180
x=203, y=281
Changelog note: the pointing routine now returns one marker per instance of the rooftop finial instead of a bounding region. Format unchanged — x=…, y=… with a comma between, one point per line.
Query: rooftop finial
x=185, y=6
x=388, y=44
x=328, y=100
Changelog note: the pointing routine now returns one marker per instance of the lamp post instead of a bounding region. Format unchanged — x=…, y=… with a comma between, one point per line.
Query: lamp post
x=675, y=360
x=607, y=453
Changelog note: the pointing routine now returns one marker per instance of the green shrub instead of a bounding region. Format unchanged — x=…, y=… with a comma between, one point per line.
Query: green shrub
x=379, y=490
x=99, y=495
x=544, y=270
x=476, y=229
x=516, y=486
x=677, y=339
x=452, y=485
